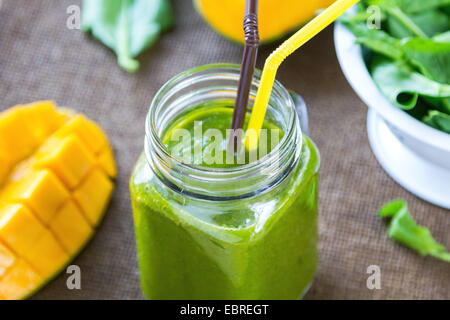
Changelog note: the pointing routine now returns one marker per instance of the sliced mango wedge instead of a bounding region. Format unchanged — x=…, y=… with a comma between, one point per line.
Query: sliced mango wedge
x=57, y=173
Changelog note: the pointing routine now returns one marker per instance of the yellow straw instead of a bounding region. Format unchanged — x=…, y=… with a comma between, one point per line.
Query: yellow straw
x=278, y=56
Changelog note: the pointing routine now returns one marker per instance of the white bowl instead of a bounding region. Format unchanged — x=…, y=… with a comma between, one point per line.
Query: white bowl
x=431, y=147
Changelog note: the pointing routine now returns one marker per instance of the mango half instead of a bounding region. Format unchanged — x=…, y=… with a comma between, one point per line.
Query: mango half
x=276, y=17
x=57, y=173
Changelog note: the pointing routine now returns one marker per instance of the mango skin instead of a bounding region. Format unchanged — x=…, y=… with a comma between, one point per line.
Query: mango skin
x=49, y=157
x=276, y=18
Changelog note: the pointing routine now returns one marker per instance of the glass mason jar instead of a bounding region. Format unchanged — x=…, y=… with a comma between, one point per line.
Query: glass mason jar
x=247, y=232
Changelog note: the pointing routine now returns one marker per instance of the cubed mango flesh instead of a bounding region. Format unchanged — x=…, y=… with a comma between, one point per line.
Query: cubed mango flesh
x=47, y=256
x=20, y=281
x=43, y=119
x=93, y=195
x=25, y=234
x=106, y=162
x=19, y=228
x=17, y=141
x=71, y=228
x=21, y=170
x=41, y=191
x=68, y=158
x=56, y=171
x=4, y=168
x=7, y=259
x=91, y=134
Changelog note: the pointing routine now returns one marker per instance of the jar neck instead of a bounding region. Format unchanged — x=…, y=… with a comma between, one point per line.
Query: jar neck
x=206, y=84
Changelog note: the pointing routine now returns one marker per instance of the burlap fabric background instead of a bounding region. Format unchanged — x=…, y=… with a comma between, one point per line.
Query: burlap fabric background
x=42, y=59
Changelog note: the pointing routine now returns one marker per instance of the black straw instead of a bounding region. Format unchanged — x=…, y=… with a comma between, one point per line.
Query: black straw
x=247, y=67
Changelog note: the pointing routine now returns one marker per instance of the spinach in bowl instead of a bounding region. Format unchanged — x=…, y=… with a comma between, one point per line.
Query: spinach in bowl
x=409, y=55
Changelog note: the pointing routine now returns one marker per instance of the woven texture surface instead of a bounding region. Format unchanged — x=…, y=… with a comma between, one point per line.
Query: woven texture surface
x=40, y=58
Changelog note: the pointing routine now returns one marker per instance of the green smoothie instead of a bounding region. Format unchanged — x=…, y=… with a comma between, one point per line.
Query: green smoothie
x=259, y=247
x=216, y=115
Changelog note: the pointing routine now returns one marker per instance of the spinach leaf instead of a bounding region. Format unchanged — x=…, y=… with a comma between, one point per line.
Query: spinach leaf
x=431, y=21
x=442, y=105
x=401, y=25
x=362, y=15
x=428, y=22
x=408, y=18
x=430, y=57
x=126, y=26
x=438, y=120
x=405, y=230
x=377, y=40
x=402, y=86
x=410, y=6
x=442, y=37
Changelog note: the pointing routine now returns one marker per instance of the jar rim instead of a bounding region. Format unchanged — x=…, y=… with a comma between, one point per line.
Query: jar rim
x=273, y=165
x=150, y=128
